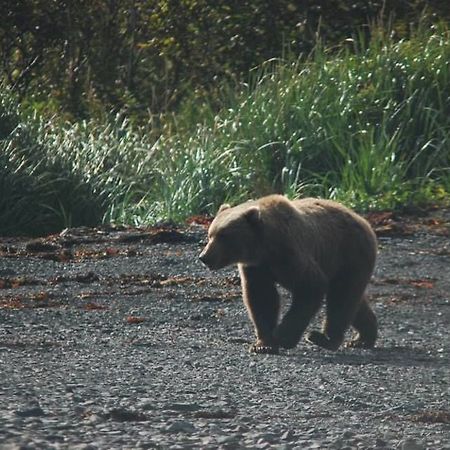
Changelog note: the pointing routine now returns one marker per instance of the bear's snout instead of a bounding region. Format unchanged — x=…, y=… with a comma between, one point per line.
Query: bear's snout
x=209, y=258
x=205, y=257
x=202, y=257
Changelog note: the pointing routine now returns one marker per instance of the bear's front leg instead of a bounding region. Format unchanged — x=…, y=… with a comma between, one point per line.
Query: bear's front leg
x=306, y=302
x=263, y=305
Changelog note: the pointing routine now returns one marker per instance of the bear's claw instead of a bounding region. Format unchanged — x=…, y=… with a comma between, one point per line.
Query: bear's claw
x=264, y=349
x=359, y=343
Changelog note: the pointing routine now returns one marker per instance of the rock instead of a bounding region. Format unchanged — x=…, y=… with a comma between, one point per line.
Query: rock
x=347, y=434
x=337, y=444
x=94, y=419
x=288, y=435
x=41, y=246
x=240, y=429
x=183, y=407
x=11, y=447
x=227, y=439
x=125, y=415
x=411, y=444
x=32, y=411
x=181, y=426
x=381, y=442
x=146, y=404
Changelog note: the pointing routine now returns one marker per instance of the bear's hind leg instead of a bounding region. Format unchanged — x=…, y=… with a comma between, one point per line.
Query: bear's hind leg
x=366, y=324
x=343, y=301
x=263, y=305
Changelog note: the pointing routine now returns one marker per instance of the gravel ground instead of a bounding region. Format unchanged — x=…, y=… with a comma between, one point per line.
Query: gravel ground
x=120, y=338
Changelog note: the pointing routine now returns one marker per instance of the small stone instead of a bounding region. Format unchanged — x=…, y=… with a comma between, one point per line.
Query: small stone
x=125, y=415
x=33, y=411
x=337, y=444
x=84, y=447
x=287, y=435
x=411, y=444
x=240, y=429
x=146, y=404
x=94, y=419
x=10, y=447
x=347, y=434
x=270, y=437
x=227, y=439
x=184, y=407
x=312, y=432
x=181, y=426
x=389, y=436
x=207, y=440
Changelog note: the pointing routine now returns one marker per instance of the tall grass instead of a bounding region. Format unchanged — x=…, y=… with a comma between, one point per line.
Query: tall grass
x=368, y=125
x=54, y=176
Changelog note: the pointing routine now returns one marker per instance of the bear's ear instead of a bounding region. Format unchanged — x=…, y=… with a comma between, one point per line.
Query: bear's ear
x=223, y=207
x=253, y=215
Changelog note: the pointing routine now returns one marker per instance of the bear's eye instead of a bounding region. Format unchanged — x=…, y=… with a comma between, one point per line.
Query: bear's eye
x=223, y=236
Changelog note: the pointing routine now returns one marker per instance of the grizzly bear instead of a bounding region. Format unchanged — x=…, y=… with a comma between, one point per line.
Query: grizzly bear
x=314, y=248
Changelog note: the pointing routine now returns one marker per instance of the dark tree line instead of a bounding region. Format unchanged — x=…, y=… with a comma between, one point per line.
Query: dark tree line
x=84, y=56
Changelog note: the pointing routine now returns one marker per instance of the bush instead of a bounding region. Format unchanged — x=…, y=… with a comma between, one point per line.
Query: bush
x=55, y=175
x=369, y=126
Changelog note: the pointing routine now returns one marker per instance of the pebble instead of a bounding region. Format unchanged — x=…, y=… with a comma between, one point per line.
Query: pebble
x=380, y=442
x=124, y=415
x=146, y=404
x=181, y=426
x=94, y=419
x=347, y=434
x=228, y=439
x=411, y=444
x=287, y=435
x=33, y=411
x=188, y=386
x=183, y=407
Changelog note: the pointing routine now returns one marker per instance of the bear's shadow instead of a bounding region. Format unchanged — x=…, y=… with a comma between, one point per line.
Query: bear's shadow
x=400, y=356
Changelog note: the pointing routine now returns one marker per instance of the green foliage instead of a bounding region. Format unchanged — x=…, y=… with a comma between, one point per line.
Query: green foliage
x=86, y=57
x=370, y=128
x=368, y=125
x=39, y=192
x=54, y=176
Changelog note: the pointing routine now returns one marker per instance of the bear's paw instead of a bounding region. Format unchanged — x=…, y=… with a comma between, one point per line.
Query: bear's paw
x=320, y=339
x=360, y=343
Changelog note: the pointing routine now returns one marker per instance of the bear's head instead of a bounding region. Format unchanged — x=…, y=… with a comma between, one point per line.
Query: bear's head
x=234, y=236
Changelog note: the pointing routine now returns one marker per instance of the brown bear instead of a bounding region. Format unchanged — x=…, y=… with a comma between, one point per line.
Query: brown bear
x=314, y=248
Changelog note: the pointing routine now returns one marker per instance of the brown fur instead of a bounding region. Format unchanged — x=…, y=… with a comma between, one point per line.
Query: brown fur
x=315, y=249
